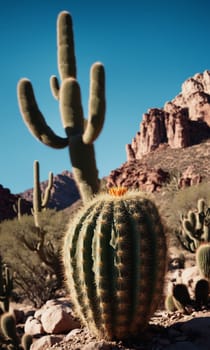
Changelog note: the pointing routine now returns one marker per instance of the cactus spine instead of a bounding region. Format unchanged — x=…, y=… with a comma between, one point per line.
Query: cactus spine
x=40, y=201
x=114, y=258
x=81, y=133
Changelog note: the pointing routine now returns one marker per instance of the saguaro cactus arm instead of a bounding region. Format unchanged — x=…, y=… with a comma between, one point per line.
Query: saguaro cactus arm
x=66, y=55
x=71, y=106
x=34, y=119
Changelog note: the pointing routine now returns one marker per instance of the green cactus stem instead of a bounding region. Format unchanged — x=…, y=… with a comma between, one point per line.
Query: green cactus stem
x=203, y=260
x=114, y=259
x=170, y=304
x=6, y=286
x=195, y=227
x=40, y=201
x=81, y=133
x=8, y=327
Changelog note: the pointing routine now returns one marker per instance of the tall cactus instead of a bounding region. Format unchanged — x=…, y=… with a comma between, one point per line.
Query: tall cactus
x=40, y=200
x=81, y=133
x=114, y=259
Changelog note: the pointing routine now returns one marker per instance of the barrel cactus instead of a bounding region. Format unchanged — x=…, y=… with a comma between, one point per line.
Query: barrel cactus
x=114, y=258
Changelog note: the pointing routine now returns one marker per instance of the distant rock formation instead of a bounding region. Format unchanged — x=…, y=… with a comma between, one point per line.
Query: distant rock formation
x=183, y=122
x=7, y=203
x=135, y=175
x=63, y=194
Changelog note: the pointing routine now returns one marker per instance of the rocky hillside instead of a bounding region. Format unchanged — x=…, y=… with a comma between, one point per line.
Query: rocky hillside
x=8, y=204
x=174, y=138
x=63, y=195
x=182, y=122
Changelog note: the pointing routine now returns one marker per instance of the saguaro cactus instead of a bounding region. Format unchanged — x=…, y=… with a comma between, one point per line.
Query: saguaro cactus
x=40, y=200
x=114, y=258
x=81, y=133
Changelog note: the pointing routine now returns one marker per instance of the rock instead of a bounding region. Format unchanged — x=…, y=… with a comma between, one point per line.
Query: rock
x=182, y=122
x=135, y=175
x=7, y=203
x=189, y=177
x=33, y=326
x=57, y=319
x=46, y=342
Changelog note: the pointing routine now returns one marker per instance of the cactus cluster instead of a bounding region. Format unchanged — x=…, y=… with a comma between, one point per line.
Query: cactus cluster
x=180, y=298
x=80, y=133
x=114, y=258
x=195, y=227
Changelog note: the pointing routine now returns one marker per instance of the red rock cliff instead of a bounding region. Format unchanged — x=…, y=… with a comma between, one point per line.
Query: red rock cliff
x=182, y=122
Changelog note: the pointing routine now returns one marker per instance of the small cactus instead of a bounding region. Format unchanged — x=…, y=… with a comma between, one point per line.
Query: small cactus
x=114, y=258
x=8, y=328
x=203, y=260
x=6, y=286
x=170, y=303
x=180, y=298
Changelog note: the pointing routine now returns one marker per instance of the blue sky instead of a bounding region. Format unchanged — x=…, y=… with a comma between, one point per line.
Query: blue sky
x=148, y=48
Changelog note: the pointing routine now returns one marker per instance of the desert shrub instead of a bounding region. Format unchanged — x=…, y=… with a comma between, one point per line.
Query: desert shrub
x=34, y=255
